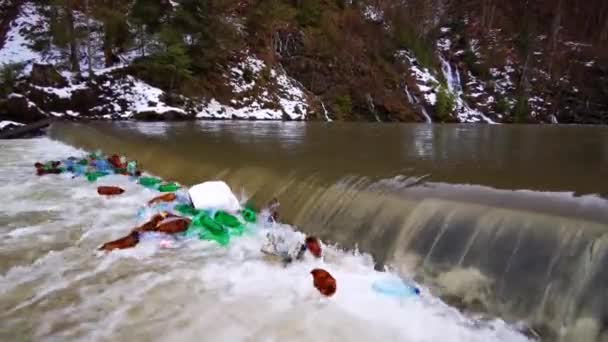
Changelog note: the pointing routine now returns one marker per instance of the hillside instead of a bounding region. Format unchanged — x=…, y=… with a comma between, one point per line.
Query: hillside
x=374, y=60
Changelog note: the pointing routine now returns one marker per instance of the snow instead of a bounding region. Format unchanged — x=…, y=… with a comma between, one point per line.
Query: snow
x=6, y=123
x=17, y=48
x=257, y=100
x=237, y=81
x=444, y=44
x=373, y=14
x=146, y=98
x=590, y=64
x=65, y=92
x=445, y=29
x=214, y=195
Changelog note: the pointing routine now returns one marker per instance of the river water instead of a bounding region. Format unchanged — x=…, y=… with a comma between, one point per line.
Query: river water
x=503, y=222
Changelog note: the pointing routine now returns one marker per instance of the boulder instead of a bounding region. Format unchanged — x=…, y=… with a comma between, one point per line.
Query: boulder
x=45, y=75
x=156, y=116
x=83, y=100
x=20, y=109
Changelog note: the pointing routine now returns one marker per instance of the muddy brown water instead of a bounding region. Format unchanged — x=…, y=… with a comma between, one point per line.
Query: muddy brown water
x=508, y=220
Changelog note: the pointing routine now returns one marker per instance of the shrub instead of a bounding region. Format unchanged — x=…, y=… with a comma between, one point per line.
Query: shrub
x=445, y=103
x=344, y=103
x=521, y=110
x=8, y=77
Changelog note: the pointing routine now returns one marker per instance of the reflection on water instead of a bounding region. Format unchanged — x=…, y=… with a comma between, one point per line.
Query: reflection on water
x=543, y=158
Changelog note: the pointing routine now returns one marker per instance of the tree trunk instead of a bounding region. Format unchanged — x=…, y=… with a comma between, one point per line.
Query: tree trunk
x=88, y=32
x=555, y=28
x=108, y=39
x=75, y=66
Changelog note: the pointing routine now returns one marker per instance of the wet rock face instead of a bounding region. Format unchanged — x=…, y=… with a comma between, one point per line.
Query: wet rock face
x=45, y=75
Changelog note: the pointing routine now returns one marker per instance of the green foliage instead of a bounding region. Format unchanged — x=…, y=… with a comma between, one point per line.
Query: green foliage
x=8, y=77
x=115, y=26
x=502, y=106
x=344, y=103
x=478, y=68
x=248, y=75
x=521, y=110
x=263, y=18
x=309, y=13
x=149, y=14
x=445, y=103
x=422, y=48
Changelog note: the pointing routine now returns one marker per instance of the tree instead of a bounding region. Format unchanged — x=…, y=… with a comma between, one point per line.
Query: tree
x=115, y=28
x=175, y=56
x=148, y=17
x=445, y=103
x=69, y=15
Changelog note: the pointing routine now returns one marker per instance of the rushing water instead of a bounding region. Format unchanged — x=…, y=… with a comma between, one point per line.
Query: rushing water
x=506, y=221
x=54, y=286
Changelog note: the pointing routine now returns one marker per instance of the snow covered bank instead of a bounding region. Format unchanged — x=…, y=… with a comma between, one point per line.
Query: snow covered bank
x=260, y=92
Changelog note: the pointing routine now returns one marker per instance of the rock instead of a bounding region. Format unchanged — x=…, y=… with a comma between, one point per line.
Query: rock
x=48, y=101
x=20, y=109
x=155, y=116
x=83, y=100
x=45, y=75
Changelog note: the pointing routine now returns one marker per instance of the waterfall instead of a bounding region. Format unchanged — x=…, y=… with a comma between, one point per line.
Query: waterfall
x=327, y=118
x=414, y=100
x=427, y=117
x=452, y=77
x=372, y=107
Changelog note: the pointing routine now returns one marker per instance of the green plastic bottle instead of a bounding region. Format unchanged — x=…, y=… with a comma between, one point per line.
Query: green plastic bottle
x=149, y=181
x=235, y=226
x=249, y=215
x=168, y=187
x=205, y=228
x=204, y=220
x=93, y=176
x=185, y=209
x=222, y=238
x=83, y=162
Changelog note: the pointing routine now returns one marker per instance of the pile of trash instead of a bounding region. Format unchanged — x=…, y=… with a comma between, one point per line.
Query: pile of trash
x=94, y=166
x=208, y=211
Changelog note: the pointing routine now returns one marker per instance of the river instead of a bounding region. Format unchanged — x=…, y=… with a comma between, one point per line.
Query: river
x=498, y=221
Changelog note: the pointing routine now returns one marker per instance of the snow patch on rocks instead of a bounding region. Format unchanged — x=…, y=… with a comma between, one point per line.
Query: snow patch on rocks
x=265, y=93
x=8, y=123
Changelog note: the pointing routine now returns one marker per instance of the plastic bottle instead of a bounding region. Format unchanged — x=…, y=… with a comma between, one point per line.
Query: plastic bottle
x=249, y=215
x=186, y=209
x=168, y=187
x=149, y=181
x=204, y=220
x=227, y=220
x=131, y=167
